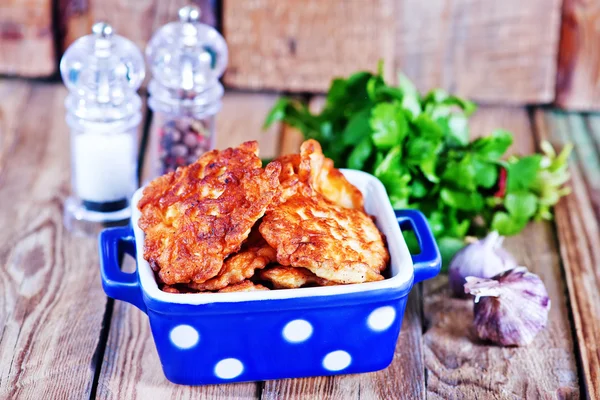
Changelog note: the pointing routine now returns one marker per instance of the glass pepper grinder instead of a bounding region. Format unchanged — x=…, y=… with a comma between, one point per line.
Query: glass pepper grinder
x=103, y=110
x=186, y=59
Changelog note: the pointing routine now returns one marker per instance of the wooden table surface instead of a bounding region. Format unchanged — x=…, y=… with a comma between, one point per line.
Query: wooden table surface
x=61, y=338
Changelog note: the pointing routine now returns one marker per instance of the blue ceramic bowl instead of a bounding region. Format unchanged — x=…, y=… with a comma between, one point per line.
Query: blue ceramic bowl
x=234, y=337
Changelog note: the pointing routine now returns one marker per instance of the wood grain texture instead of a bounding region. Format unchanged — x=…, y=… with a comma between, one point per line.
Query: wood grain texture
x=497, y=52
x=460, y=366
x=291, y=140
x=578, y=79
x=51, y=302
x=27, y=38
x=241, y=119
x=300, y=45
x=490, y=51
x=131, y=368
x=578, y=226
x=13, y=100
x=136, y=20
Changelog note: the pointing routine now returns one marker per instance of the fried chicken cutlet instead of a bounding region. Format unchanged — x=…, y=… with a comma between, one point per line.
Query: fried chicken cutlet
x=291, y=277
x=311, y=226
x=327, y=180
x=197, y=216
x=245, y=286
x=254, y=254
x=335, y=243
x=312, y=169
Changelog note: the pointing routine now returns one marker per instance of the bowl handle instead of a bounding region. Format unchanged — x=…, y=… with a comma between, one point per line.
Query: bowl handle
x=428, y=262
x=113, y=242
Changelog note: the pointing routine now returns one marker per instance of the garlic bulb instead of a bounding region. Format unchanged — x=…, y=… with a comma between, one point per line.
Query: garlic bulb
x=482, y=259
x=511, y=308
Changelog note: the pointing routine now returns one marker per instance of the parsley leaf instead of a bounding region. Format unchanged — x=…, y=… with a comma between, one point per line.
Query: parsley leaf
x=388, y=124
x=522, y=173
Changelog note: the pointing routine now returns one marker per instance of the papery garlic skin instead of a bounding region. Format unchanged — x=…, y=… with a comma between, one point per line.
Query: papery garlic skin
x=482, y=259
x=511, y=308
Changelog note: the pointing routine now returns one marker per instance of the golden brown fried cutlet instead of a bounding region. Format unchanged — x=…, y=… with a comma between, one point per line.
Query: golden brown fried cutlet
x=255, y=254
x=318, y=222
x=198, y=219
x=310, y=171
x=197, y=216
x=327, y=180
x=245, y=286
x=335, y=243
x=291, y=277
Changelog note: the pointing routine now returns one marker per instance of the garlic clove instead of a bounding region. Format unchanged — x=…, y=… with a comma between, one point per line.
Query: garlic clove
x=482, y=259
x=511, y=308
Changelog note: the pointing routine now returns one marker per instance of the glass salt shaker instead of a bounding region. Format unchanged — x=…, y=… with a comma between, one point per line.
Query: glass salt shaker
x=186, y=59
x=102, y=72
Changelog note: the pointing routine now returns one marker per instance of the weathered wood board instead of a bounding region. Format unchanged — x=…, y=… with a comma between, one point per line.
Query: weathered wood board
x=300, y=45
x=490, y=51
x=52, y=304
x=27, y=38
x=458, y=365
x=134, y=19
x=578, y=80
x=578, y=226
x=13, y=102
x=241, y=119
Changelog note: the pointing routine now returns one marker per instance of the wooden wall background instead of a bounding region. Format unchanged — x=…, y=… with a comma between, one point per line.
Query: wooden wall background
x=511, y=52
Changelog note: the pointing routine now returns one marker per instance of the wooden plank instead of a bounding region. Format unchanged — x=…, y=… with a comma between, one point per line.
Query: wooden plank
x=578, y=226
x=131, y=368
x=134, y=19
x=472, y=47
x=490, y=51
x=458, y=365
x=578, y=82
x=241, y=119
x=52, y=304
x=13, y=99
x=300, y=45
x=26, y=38
x=291, y=140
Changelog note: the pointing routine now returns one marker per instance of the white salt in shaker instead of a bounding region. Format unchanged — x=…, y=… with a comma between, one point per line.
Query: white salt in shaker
x=102, y=72
x=186, y=59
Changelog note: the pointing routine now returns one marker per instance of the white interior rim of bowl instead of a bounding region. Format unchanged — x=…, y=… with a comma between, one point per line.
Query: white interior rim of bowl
x=401, y=263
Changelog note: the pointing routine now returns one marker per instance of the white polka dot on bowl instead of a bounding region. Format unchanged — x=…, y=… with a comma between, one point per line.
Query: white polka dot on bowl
x=229, y=368
x=337, y=360
x=184, y=336
x=297, y=331
x=381, y=318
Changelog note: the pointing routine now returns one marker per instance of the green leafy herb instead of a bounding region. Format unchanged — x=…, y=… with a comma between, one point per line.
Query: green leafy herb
x=389, y=125
x=419, y=147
